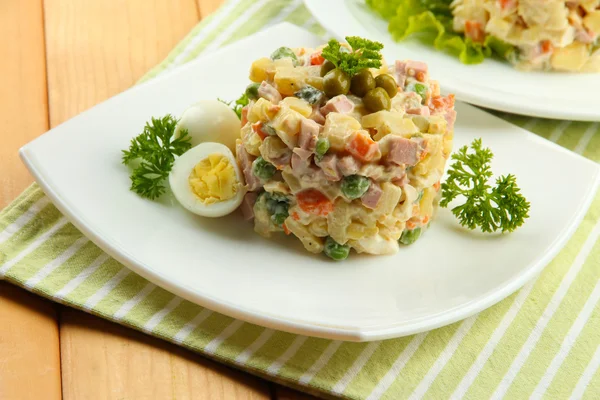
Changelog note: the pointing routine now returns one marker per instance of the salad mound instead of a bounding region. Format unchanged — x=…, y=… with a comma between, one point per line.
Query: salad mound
x=341, y=150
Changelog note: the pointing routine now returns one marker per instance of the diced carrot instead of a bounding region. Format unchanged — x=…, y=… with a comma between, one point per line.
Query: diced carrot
x=244, y=115
x=257, y=128
x=415, y=209
x=363, y=147
x=474, y=31
x=436, y=186
x=410, y=225
x=546, y=46
x=285, y=229
x=313, y=201
x=295, y=216
x=425, y=219
x=504, y=4
x=316, y=58
x=420, y=76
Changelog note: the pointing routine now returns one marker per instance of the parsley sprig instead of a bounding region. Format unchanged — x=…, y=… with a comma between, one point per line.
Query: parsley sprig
x=501, y=207
x=155, y=149
x=238, y=104
x=365, y=54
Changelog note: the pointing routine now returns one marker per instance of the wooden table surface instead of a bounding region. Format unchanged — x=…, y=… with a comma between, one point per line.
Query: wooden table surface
x=59, y=58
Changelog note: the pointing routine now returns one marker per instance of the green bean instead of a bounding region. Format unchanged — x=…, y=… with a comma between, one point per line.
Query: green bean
x=355, y=186
x=334, y=250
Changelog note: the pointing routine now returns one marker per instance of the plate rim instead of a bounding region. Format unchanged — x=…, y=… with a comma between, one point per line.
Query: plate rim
x=475, y=96
x=378, y=332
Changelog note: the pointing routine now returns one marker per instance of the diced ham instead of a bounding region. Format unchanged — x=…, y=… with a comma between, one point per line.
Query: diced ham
x=317, y=116
x=424, y=110
x=339, y=104
x=585, y=36
x=309, y=132
x=450, y=117
x=302, y=153
x=400, y=73
x=348, y=165
x=329, y=165
x=299, y=163
x=418, y=69
x=248, y=205
x=245, y=160
x=268, y=92
x=372, y=196
x=402, y=151
x=282, y=161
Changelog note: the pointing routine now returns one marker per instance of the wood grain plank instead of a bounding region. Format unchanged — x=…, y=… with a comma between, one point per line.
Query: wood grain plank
x=103, y=360
x=29, y=343
x=23, y=100
x=96, y=49
x=29, y=346
x=206, y=7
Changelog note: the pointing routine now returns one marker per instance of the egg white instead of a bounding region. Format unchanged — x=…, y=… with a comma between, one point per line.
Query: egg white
x=180, y=186
x=210, y=121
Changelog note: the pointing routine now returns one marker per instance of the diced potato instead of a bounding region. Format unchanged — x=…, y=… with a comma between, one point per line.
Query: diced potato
x=259, y=68
x=299, y=105
x=318, y=227
x=287, y=126
x=337, y=129
x=437, y=124
x=389, y=198
x=386, y=122
x=421, y=121
x=570, y=58
x=593, y=64
x=592, y=21
x=288, y=80
x=311, y=242
x=276, y=187
x=292, y=181
x=447, y=144
x=251, y=140
x=263, y=110
x=357, y=231
x=426, y=203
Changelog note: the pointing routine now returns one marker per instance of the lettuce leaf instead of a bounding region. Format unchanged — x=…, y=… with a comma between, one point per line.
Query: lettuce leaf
x=431, y=21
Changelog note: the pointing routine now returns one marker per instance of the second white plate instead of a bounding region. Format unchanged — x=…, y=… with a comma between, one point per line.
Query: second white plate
x=492, y=84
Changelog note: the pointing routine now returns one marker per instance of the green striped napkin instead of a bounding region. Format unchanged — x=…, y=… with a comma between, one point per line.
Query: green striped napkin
x=541, y=342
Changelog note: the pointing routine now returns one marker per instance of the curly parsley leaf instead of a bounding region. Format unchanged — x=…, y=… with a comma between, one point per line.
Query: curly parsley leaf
x=501, y=207
x=155, y=149
x=238, y=104
x=365, y=54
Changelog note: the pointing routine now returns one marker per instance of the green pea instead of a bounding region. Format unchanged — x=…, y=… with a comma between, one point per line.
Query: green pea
x=409, y=237
x=252, y=91
x=377, y=99
x=284, y=52
x=421, y=90
x=354, y=186
x=280, y=213
x=336, y=82
x=311, y=94
x=362, y=83
x=334, y=250
x=326, y=67
x=321, y=147
x=263, y=169
x=388, y=83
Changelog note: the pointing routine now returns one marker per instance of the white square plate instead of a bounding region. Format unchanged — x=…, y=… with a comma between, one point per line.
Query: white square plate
x=492, y=84
x=447, y=275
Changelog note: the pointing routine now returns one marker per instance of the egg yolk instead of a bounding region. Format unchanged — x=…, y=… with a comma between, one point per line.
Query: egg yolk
x=213, y=179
